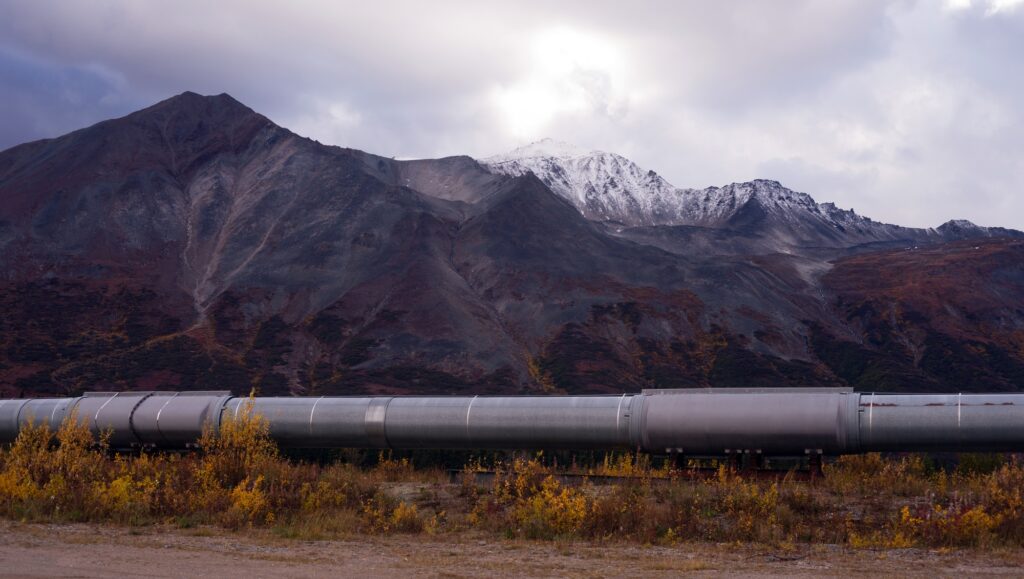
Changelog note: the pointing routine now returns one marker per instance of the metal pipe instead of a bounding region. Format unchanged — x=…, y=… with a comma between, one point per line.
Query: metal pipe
x=692, y=422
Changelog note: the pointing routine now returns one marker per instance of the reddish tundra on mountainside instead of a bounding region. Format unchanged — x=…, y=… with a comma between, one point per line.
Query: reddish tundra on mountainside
x=197, y=245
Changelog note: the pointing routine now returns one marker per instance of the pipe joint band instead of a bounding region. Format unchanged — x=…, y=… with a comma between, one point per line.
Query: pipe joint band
x=376, y=433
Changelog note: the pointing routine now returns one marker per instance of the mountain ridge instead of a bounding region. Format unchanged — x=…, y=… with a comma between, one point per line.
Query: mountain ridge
x=608, y=187
x=197, y=245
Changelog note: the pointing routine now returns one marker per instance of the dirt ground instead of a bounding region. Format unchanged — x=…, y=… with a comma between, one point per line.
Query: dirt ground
x=30, y=550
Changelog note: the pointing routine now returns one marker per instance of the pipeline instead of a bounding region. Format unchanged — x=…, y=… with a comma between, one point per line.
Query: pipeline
x=779, y=422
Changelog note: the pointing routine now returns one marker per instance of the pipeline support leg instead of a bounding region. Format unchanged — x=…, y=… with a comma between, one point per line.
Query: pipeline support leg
x=814, y=463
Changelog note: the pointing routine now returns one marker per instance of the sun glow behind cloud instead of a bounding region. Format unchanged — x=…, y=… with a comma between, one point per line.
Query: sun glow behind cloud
x=907, y=111
x=568, y=72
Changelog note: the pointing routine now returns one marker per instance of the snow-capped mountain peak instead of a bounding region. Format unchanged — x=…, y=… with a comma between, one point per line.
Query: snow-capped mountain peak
x=544, y=148
x=608, y=187
x=604, y=186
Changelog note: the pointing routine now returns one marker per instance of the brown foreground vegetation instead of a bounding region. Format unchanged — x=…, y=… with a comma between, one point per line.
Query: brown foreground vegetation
x=237, y=479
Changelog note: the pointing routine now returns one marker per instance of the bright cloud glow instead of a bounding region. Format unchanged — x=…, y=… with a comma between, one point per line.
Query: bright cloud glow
x=569, y=73
x=908, y=111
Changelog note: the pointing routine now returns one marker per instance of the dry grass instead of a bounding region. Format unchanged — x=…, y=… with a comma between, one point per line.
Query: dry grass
x=238, y=479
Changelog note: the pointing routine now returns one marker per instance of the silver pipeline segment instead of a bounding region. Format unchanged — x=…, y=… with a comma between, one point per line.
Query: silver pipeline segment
x=154, y=419
x=508, y=422
x=692, y=422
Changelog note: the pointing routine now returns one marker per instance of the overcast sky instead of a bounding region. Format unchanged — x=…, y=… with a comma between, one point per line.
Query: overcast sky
x=909, y=112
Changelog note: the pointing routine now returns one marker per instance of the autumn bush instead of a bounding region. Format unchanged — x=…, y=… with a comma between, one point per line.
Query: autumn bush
x=872, y=473
x=864, y=501
x=237, y=478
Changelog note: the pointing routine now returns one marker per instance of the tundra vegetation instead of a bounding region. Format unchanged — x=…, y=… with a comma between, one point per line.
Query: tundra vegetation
x=236, y=478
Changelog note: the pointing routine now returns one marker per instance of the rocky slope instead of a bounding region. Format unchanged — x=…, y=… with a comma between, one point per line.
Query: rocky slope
x=944, y=317
x=195, y=244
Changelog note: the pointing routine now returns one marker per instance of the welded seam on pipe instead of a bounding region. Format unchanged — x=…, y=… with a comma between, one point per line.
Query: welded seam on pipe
x=840, y=423
x=73, y=407
x=17, y=415
x=871, y=413
x=131, y=417
x=959, y=431
x=52, y=412
x=15, y=426
x=618, y=414
x=851, y=422
x=468, y=410
x=375, y=421
x=311, y=411
x=96, y=417
x=161, y=411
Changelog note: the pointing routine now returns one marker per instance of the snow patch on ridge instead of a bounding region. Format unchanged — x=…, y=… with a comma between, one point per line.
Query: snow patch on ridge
x=544, y=148
x=604, y=186
x=608, y=187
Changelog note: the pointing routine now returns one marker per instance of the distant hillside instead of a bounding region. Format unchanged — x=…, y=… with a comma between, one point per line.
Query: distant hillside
x=196, y=245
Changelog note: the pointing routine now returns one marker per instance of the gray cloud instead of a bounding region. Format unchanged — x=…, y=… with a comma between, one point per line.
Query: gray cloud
x=908, y=111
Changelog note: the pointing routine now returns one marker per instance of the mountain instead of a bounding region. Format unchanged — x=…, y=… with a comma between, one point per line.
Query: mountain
x=197, y=245
x=608, y=187
x=603, y=186
x=947, y=316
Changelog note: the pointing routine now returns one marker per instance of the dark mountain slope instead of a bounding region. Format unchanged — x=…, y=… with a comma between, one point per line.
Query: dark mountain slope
x=947, y=318
x=195, y=244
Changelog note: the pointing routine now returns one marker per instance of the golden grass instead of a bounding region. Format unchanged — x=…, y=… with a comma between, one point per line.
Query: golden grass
x=238, y=479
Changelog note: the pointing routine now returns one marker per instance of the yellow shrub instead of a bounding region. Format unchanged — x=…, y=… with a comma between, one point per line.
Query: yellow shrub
x=871, y=474
x=879, y=540
x=391, y=470
x=384, y=515
x=555, y=510
x=406, y=518
x=249, y=502
x=240, y=446
x=124, y=498
x=521, y=478
x=747, y=503
x=322, y=495
x=626, y=510
x=16, y=486
x=625, y=465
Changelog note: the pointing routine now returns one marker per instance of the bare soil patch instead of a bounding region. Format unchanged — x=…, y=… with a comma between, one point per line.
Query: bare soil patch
x=80, y=550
